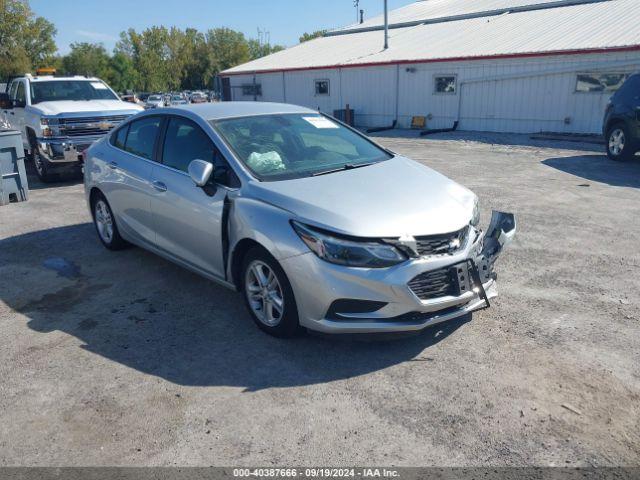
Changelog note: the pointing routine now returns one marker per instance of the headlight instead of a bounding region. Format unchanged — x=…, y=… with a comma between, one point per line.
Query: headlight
x=475, y=216
x=344, y=251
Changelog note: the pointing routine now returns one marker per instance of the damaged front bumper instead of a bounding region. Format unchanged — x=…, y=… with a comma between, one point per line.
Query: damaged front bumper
x=338, y=299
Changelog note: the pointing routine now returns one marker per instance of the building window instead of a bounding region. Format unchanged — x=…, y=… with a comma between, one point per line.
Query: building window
x=445, y=84
x=322, y=87
x=599, y=82
x=252, y=90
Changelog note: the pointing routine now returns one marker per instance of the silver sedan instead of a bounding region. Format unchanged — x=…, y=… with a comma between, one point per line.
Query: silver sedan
x=315, y=224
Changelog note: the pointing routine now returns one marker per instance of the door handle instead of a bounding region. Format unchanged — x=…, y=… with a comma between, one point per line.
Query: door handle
x=159, y=186
x=113, y=165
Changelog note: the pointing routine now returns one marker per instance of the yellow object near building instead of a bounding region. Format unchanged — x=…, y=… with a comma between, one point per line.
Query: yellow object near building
x=418, y=122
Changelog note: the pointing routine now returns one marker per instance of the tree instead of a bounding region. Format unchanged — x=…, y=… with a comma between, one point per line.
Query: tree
x=258, y=50
x=310, y=36
x=87, y=59
x=26, y=41
x=227, y=48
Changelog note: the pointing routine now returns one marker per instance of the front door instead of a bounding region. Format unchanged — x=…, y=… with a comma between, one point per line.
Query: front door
x=187, y=219
x=17, y=113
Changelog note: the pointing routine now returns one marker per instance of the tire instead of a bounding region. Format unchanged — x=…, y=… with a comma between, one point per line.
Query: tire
x=105, y=223
x=618, y=143
x=41, y=167
x=279, y=322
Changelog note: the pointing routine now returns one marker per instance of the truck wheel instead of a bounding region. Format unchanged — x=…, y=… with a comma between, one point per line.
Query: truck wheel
x=619, y=143
x=41, y=167
x=268, y=294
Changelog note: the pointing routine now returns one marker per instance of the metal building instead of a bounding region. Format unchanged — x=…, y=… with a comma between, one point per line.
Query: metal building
x=493, y=65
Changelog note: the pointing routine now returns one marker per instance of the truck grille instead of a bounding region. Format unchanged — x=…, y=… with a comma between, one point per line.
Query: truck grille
x=444, y=244
x=89, y=126
x=435, y=284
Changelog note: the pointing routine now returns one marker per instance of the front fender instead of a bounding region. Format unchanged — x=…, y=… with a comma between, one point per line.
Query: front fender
x=265, y=224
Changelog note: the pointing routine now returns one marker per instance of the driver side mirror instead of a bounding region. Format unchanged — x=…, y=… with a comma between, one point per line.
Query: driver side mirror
x=200, y=172
x=5, y=102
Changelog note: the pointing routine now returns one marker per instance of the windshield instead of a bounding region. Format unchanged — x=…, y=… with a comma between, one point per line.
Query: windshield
x=280, y=147
x=154, y=98
x=57, y=90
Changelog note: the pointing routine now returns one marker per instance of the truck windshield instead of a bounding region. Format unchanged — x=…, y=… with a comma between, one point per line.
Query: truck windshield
x=56, y=90
x=288, y=146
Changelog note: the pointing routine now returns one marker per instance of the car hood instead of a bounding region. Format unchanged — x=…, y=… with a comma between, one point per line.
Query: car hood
x=85, y=107
x=389, y=199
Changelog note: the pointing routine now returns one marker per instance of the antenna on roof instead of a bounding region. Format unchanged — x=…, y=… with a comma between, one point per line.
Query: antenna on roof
x=386, y=25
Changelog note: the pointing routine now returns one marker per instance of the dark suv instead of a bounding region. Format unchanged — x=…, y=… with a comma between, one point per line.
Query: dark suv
x=621, y=126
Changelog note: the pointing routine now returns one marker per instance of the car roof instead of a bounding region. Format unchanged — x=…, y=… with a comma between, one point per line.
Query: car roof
x=214, y=111
x=51, y=78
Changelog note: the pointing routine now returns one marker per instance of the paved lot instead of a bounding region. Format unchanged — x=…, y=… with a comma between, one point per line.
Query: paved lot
x=124, y=359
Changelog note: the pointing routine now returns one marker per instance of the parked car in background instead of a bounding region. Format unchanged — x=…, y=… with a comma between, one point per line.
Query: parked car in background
x=177, y=100
x=131, y=99
x=60, y=117
x=621, y=126
x=198, y=97
x=154, y=101
x=317, y=225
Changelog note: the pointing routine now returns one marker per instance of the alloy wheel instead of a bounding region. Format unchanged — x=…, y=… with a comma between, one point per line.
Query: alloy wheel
x=616, y=141
x=104, y=221
x=264, y=293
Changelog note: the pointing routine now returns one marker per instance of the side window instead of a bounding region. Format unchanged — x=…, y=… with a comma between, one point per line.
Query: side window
x=142, y=137
x=12, y=90
x=118, y=139
x=185, y=141
x=21, y=98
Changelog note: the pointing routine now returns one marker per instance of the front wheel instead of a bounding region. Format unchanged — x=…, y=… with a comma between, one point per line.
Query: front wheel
x=42, y=168
x=268, y=294
x=619, y=143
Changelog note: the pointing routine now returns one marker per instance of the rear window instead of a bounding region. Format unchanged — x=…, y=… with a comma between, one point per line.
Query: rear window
x=119, y=138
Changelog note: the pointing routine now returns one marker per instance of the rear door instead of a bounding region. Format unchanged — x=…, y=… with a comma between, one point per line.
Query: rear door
x=126, y=179
x=188, y=219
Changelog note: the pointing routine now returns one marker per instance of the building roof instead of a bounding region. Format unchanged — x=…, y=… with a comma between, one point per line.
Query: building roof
x=564, y=27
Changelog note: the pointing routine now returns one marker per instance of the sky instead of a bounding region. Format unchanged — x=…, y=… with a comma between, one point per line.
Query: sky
x=100, y=21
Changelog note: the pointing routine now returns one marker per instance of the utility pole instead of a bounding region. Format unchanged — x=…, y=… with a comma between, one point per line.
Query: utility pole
x=386, y=25
x=356, y=4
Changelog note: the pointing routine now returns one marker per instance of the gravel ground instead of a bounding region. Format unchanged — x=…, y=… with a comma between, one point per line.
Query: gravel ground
x=125, y=359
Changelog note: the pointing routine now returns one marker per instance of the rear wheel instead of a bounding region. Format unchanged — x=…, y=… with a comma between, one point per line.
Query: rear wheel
x=619, y=143
x=268, y=294
x=105, y=224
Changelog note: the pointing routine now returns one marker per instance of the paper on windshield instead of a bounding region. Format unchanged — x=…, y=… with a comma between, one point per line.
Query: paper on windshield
x=320, y=122
x=99, y=85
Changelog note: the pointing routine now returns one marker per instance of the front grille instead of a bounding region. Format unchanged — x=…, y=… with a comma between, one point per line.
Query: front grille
x=435, y=284
x=444, y=244
x=89, y=126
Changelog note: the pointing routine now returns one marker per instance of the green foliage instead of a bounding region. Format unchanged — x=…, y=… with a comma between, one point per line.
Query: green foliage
x=310, y=36
x=155, y=59
x=86, y=59
x=26, y=41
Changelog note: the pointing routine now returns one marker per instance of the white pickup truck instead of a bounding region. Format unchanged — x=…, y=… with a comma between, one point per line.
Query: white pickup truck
x=60, y=117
